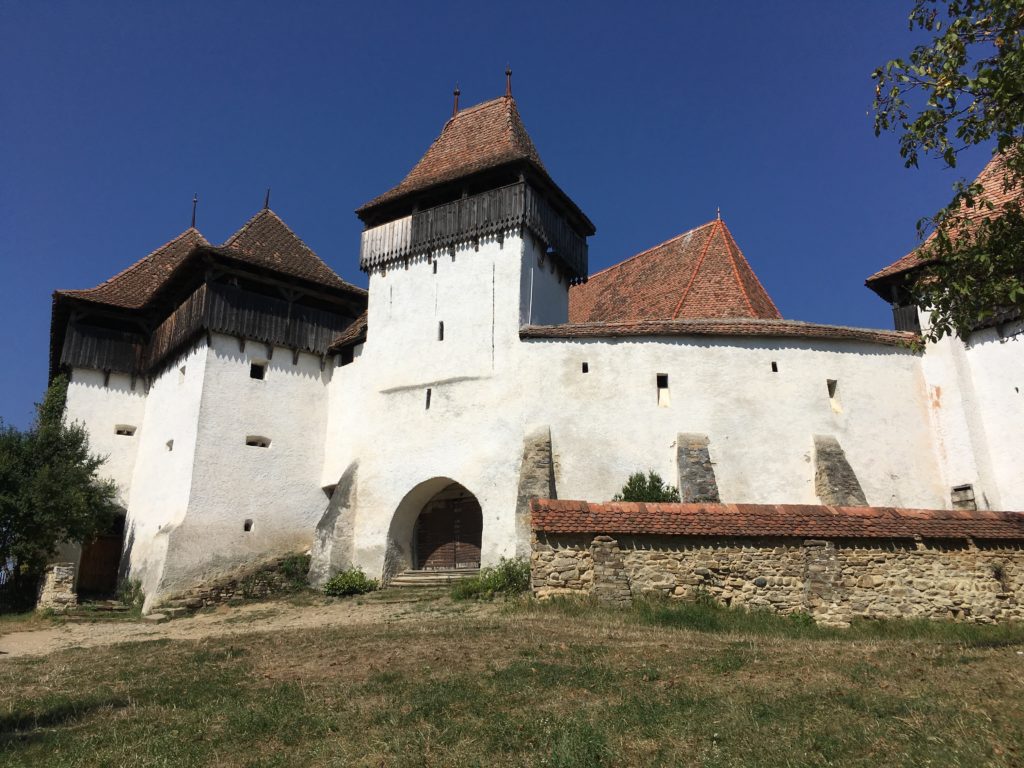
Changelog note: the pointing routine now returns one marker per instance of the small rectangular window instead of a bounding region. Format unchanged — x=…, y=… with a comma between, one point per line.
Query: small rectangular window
x=169, y=445
x=775, y=367
x=125, y=430
x=586, y=368
x=258, y=371
x=435, y=266
x=663, y=396
x=256, y=441
x=440, y=331
x=963, y=497
x=428, y=400
x=247, y=526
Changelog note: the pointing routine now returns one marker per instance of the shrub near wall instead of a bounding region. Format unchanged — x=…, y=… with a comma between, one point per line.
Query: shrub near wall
x=834, y=580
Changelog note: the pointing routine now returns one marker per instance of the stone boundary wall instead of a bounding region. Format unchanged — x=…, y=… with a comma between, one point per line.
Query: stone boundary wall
x=833, y=580
x=57, y=589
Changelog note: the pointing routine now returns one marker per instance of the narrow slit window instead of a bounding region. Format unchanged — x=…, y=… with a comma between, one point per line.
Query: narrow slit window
x=247, y=526
x=833, y=395
x=586, y=367
x=258, y=371
x=169, y=445
x=775, y=367
x=428, y=400
x=181, y=375
x=256, y=441
x=434, y=262
x=440, y=331
x=124, y=430
x=663, y=394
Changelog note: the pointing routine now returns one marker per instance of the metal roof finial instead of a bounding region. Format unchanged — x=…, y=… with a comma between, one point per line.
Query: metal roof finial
x=508, y=82
x=718, y=213
x=455, y=106
x=195, y=202
x=266, y=201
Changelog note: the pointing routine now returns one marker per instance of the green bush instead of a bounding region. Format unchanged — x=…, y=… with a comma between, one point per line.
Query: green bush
x=295, y=568
x=508, y=577
x=350, y=582
x=647, y=488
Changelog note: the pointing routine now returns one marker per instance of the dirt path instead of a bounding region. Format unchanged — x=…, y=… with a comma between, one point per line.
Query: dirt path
x=240, y=620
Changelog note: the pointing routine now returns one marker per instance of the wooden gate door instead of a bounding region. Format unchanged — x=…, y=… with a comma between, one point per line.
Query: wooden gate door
x=98, y=566
x=448, y=535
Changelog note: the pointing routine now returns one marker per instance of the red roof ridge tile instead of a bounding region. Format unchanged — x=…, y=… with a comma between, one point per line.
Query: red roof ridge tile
x=696, y=269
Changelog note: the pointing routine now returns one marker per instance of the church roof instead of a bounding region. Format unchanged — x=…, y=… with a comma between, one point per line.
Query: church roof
x=134, y=286
x=476, y=139
x=699, y=274
x=730, y=326
x=264, y=241
x=991, y=180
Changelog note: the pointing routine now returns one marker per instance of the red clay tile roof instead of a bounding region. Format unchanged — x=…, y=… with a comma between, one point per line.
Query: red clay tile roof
x=773, y=520
x=133, y=287
x=792, y=329
x=264, y=241
x=354, y=334
x=698, y=274
x=991, y=180
x=476, y=139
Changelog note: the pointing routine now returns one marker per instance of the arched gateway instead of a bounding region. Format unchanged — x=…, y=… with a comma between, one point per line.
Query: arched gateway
x=438, y=526
x=447, y=531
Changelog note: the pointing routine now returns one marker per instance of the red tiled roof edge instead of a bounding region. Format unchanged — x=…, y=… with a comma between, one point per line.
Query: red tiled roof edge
x=739, y=326
x=551, y=516
x=354, y=334
x=735, y=253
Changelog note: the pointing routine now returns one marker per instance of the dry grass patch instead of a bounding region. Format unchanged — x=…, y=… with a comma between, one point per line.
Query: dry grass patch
x=547, y=686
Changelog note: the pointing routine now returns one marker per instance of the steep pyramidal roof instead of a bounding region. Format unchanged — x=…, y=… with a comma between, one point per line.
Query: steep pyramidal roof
x=476, y=139
x=133, y=287
x=264, y=241
x=991, y=180
x=698, y=274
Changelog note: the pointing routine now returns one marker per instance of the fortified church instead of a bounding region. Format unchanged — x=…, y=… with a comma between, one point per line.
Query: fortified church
x=252, y=403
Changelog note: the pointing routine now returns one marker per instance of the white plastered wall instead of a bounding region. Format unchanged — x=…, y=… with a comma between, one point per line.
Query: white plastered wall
x=277, y=488
x=489, y=389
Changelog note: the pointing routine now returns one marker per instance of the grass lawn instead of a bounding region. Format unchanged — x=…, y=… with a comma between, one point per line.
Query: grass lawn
x=526, y=684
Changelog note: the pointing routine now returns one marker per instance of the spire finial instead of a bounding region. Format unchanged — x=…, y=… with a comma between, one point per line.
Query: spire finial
x=508, y=82
x=455, y=106
x=718, y=213
x=266, y=201
x=195, y=202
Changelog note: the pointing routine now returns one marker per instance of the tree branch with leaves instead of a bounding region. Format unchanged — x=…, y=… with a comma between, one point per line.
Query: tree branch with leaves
x=962, y=88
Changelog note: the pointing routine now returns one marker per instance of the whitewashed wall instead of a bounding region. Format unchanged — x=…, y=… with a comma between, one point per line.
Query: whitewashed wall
x=997, y=373
x=162, y=481
x=277, y=488
x=489, y=389
x=101, y=408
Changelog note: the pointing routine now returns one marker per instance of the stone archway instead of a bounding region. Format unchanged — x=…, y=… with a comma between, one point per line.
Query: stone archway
x=453, y=524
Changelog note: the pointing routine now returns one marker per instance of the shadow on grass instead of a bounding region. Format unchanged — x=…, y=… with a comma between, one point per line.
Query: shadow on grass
x=22, y=725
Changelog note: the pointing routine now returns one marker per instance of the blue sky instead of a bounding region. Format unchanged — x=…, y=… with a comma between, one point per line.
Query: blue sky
x=650, y=115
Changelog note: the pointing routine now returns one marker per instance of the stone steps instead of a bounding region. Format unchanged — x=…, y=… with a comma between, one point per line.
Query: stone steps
x=439, y=578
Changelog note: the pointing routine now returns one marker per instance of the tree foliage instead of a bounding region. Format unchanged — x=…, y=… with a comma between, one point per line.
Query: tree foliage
x=961, y=88
x=49, y=488
x=649, y=487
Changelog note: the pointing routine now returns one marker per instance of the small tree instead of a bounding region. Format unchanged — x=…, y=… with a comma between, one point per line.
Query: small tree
x=49, y=490
x=649, y=487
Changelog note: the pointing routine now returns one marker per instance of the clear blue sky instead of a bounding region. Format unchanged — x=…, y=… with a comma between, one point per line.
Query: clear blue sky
x=649, y=115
